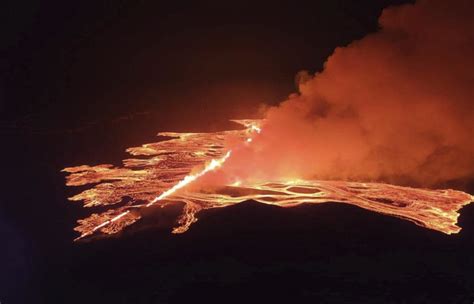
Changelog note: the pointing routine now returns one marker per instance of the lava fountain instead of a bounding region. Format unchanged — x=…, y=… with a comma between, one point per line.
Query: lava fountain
x=163, y=173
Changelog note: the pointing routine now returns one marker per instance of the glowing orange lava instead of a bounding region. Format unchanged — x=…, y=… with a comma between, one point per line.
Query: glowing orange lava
x=165, y=168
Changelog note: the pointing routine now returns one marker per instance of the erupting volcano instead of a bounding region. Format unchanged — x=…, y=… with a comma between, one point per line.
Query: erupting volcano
x=393, y=107
x=168, y=170
x=237, y=152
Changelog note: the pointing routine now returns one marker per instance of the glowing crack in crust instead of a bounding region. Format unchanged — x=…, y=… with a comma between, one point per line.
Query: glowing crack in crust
x=167, y=167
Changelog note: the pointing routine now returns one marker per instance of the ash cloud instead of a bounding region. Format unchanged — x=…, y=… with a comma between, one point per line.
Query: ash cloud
x=396, y=106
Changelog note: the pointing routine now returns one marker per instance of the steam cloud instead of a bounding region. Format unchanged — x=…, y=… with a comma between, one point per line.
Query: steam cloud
x=395, y=106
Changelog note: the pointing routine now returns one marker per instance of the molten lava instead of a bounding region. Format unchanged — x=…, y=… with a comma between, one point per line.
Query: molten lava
x=161, y=172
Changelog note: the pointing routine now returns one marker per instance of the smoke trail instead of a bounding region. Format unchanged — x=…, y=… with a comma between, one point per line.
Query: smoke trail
x=395, y=106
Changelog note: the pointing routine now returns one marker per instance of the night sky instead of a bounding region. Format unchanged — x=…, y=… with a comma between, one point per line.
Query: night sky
x=81, y=82
x=81, y=61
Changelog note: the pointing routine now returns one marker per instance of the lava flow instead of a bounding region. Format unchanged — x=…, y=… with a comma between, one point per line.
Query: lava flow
x=161, y=172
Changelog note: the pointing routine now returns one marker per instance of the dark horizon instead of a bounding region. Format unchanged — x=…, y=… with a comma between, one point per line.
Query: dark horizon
x=88, y=61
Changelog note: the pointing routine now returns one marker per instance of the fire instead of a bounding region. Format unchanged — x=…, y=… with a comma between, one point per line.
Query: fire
x=214, y=164
x=187, y=179
x=170, y=167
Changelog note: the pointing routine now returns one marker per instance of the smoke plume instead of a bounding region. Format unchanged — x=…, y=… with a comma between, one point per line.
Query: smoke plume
x=395, y=106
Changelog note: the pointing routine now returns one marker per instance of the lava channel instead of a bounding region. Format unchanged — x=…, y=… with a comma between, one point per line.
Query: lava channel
x=158, y=175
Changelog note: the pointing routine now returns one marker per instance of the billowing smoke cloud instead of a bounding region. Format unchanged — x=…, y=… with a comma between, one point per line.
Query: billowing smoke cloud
x=395, y=106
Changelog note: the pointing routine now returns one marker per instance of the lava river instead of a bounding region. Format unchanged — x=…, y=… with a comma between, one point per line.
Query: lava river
x=160, y=174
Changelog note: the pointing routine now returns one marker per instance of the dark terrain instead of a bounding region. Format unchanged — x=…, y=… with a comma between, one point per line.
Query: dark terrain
x=331, y=253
